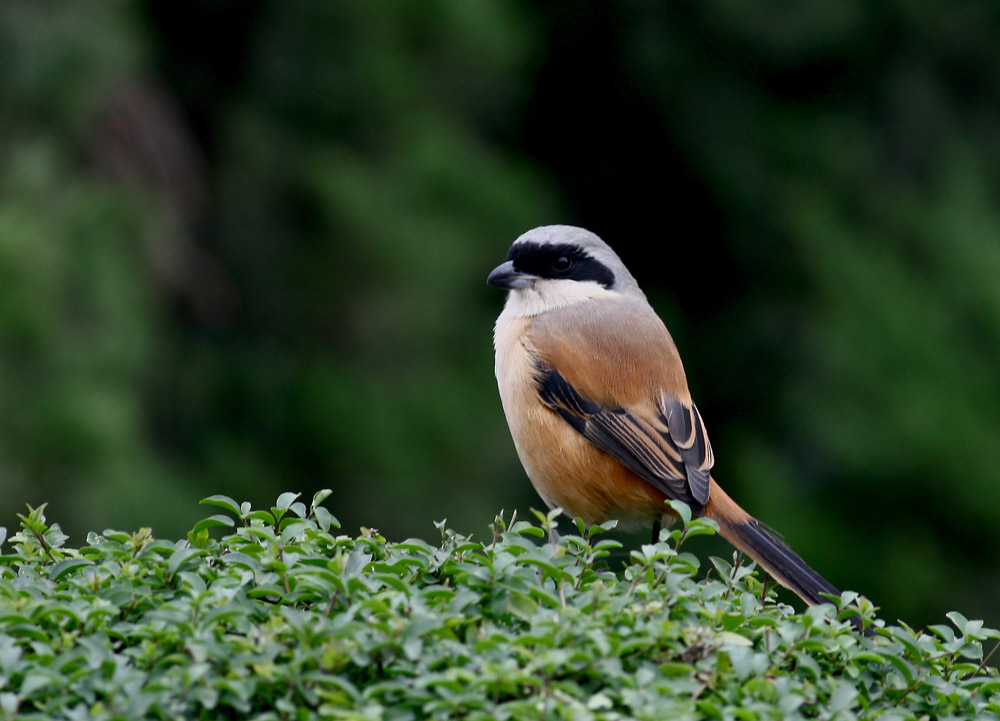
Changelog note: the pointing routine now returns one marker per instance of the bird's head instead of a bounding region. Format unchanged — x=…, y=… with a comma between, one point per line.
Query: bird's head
x=557, y=265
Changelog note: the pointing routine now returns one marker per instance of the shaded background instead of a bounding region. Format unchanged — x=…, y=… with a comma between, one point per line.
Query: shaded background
x=243, y=247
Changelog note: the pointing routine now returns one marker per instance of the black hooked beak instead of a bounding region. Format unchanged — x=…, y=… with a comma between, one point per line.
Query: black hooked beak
x=506, y=276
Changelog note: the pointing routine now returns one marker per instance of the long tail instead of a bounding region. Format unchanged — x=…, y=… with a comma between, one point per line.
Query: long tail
x=770, y=552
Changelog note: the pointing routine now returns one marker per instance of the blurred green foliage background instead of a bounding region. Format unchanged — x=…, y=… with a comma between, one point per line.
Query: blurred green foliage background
x=243, y=248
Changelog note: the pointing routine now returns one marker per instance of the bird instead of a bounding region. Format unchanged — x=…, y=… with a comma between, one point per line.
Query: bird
x=598, y=405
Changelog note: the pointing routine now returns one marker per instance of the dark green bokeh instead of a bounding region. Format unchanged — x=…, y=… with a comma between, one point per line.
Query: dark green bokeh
x=243, y=248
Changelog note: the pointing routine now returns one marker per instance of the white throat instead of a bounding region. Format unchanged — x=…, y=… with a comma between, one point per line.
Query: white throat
x=545, y=295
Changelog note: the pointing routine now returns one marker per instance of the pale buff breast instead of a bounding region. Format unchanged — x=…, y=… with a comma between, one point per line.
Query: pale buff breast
x=565, y=469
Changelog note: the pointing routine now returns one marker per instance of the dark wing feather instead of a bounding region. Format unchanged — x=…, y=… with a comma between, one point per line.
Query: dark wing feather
x=670, y=450
x=687, y=431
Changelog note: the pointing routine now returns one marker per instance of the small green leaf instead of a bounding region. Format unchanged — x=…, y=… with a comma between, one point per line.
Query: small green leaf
x=960, y=621
x=674, y=669
x=905, y=668
x=260, y=515
x=701, y=527
x=285, y=500
x=732, y=621
x=212, y=522
x=224, y=502
x=733, y=639
x=325, y=520
x=682, y=510
x=843, y=699
x=32, y=682
x=178, y=557
x=63, y=567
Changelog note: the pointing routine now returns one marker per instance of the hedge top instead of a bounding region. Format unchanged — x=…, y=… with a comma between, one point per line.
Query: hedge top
x=282, y=618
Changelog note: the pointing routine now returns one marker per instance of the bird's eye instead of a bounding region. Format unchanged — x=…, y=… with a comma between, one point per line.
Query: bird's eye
x=561, y=264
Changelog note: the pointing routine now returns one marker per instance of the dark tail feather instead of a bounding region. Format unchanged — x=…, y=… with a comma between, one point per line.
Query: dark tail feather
x=770, y=552
x=779, y=560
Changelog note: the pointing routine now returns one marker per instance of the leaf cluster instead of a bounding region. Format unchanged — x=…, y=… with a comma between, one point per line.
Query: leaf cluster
x=283, y=617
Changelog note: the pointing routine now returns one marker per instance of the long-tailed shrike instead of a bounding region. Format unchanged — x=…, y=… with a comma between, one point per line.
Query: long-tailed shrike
x=598, y=404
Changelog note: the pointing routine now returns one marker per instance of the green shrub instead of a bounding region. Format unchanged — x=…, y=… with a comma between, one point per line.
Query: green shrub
x=281, y=618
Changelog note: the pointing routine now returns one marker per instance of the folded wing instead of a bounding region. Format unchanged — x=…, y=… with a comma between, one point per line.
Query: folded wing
x=622, y=386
